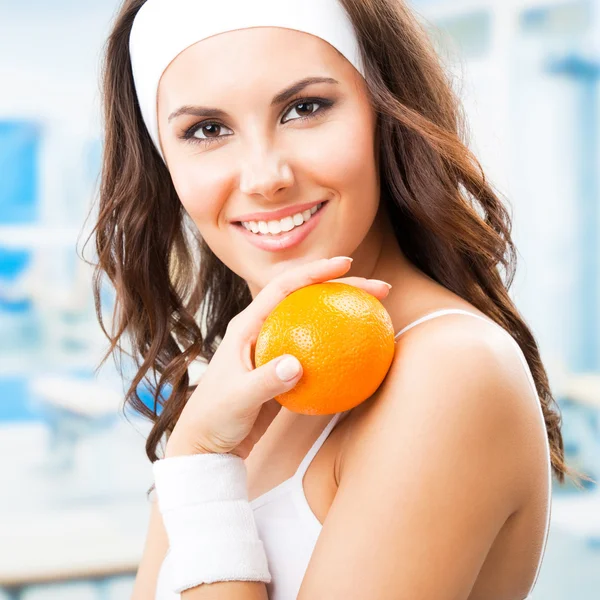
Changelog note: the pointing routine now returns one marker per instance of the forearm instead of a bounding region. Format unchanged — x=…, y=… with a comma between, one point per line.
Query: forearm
x=214, y=544
x=228, y=590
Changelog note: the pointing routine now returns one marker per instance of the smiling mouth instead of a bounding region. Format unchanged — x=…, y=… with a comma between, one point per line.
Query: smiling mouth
x=281, y=233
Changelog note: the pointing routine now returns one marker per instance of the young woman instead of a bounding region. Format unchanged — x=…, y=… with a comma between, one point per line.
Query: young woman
x=246, y=144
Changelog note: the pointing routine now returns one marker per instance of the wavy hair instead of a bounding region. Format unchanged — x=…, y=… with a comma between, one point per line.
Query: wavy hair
x=174, y=297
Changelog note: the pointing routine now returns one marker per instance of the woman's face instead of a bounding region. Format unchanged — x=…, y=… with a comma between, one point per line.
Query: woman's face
x=258, y=156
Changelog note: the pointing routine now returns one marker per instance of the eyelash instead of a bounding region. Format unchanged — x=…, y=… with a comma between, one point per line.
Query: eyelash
x=188, y=135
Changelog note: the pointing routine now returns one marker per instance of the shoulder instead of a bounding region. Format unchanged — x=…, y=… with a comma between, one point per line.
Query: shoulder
x=457, y=380
x=434, y=461
x=445, y=347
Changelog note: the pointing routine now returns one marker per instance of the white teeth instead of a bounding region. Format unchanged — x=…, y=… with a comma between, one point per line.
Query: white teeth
x=274, y=227
x=285, y=224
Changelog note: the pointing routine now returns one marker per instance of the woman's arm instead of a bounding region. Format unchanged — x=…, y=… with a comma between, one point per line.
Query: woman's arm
x=154, y=553
x=228, y=590
x=435, y=465
x=200, y=482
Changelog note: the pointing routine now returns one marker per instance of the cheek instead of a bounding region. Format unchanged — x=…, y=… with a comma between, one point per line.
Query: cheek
x=199, y=190
x=347, y=164
x=343, y=156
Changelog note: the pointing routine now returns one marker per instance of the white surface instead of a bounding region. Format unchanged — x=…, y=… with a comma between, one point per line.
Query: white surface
x=108, y=466
x=120, y=588
x=73, y=591
x=19, y=236
x=89, y=519
x=578, y=515
x=72, y=542
x=83, y=397
x=583, y=388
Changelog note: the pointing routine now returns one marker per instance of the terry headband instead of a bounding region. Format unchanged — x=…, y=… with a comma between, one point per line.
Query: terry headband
x=162, y=29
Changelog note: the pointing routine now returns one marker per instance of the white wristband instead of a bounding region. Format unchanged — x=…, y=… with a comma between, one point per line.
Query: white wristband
x=203, y=499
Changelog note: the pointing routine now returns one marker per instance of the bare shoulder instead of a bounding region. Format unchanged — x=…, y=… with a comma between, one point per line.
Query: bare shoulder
x=459, y=372
x=437, y=459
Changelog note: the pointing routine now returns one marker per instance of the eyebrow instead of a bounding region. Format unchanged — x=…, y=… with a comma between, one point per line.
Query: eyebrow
x=280, y=98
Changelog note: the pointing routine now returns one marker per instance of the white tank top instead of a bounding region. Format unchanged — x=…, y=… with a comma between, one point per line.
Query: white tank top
x=289, y=529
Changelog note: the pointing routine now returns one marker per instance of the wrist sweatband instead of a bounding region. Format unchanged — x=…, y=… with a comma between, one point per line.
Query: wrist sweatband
x=203, y=499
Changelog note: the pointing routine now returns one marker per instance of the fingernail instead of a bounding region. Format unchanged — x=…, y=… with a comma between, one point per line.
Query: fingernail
x=287, y=368
x=341, y=259
x=384, y=282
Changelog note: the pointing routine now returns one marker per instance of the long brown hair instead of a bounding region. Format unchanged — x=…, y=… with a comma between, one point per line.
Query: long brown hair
x=174, y=297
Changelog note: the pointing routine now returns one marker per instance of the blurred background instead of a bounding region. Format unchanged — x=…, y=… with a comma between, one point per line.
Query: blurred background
x=73, y=505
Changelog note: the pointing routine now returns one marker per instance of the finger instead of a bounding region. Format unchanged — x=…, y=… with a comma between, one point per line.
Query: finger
x=284, y=284
x=379, y=289
x=271, y=379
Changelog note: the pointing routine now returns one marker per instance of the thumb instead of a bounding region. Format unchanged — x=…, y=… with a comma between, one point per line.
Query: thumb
x=277, y=376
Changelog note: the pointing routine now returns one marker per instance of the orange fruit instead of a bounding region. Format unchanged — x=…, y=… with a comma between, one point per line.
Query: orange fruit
x=342, y=336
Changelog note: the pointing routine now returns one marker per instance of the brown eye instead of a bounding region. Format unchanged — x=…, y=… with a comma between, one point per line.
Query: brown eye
x=209, y=132
x=305, y=107
x=210, y=129
x=206, y=132
x=305, y=110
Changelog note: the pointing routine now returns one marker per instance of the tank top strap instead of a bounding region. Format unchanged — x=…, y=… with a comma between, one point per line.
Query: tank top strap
x=299, y=474
x=449, y=311
x=442, y=312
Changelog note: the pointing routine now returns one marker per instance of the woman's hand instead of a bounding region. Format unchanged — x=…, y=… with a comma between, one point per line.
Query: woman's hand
x=234, y=403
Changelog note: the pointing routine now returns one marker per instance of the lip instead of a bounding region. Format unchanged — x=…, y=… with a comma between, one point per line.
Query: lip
x=283, y=241
x=276, y=214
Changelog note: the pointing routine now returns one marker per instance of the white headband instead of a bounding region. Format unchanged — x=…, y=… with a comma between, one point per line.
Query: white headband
x=162, y=29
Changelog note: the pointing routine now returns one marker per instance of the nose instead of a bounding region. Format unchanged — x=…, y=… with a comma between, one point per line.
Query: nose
x=265, y=172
